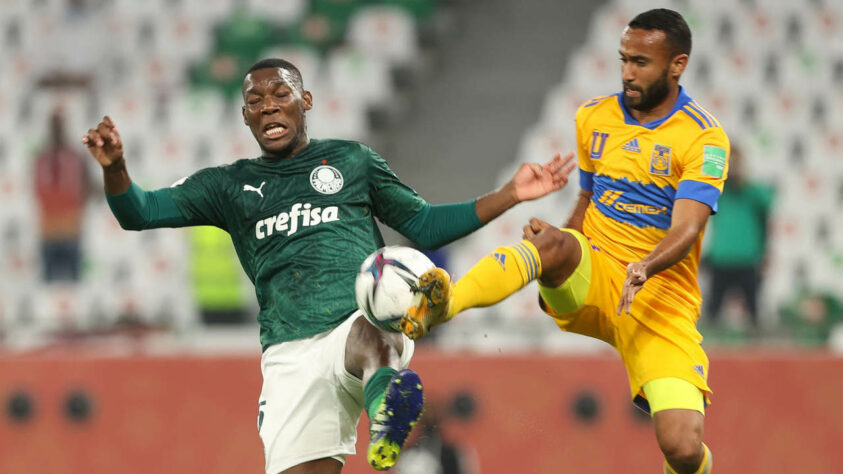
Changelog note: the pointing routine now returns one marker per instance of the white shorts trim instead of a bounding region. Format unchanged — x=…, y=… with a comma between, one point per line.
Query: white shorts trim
x=310, y=405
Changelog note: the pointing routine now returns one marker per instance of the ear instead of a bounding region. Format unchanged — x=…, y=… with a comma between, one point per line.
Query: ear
x=678, y=64
x=243, y=111
x=307, y=98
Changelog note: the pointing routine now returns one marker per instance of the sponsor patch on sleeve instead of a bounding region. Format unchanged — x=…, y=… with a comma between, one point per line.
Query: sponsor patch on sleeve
x=714, y=161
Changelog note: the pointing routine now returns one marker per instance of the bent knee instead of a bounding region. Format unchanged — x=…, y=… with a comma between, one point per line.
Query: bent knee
x=683, y=452
x=560, y=253
x=681, y=440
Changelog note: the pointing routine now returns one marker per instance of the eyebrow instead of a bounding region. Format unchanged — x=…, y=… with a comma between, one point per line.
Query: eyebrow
x=633, y=57
x=275, y=83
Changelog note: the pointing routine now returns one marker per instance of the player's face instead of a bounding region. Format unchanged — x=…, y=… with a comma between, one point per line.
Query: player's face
x=646, y=68
x=275, y=111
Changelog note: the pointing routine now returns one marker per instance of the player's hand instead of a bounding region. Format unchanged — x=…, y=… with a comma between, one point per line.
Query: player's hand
x=533, y=181
x=104, y=143
x=534, y=227
x=636, y=275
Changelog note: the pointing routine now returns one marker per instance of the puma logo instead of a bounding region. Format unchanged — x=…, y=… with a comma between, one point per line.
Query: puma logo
x=249, y=187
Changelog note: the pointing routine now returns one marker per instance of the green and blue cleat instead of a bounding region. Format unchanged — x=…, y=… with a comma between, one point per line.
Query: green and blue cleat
x=399, y=411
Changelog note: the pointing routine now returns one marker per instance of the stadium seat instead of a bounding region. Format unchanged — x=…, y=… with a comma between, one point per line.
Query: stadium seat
x=364, y=74
x=283, y=13
x=386, y=32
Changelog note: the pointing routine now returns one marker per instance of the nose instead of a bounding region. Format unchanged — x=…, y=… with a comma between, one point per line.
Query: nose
x=627, y=72
x=269, y=106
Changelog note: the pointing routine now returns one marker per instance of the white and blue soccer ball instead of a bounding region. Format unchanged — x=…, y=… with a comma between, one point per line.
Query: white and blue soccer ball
x=386, y=284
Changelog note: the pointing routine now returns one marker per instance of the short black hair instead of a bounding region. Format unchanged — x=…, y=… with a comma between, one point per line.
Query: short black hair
x=272, y=63
x=671, y=23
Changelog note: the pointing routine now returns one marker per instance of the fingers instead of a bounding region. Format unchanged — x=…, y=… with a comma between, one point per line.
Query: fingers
x=620, y=302
x=624, y=293
x=569, y=165
x=560, y=168
x=533, y=228
x=93, y=139
x=104, y=135
x=538, y=225
x=554, y=164
x=568, y=160
x=528, y=233
x=104, y=130
x=113, y=133
x=114, y=139
x=631, y=287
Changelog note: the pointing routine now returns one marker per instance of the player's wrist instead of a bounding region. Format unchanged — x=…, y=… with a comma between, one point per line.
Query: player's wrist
x=117, y=165
x=509, y=191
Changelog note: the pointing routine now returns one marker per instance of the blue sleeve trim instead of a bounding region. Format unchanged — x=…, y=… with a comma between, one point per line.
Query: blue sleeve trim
x=689, y=114
x=586, y=180
x=699, y=191
x=696, y=109
x=435, y=226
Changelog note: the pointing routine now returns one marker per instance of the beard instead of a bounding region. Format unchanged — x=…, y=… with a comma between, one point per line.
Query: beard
x=650, y=97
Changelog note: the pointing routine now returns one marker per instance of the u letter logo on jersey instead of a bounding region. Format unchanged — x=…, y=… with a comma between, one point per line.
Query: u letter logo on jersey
x=598, y=143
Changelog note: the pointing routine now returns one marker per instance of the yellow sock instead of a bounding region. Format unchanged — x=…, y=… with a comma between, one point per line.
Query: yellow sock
x=496, y=276
x=705, y=465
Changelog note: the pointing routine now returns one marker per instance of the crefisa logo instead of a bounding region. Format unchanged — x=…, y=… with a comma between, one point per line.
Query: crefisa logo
x=326, y=179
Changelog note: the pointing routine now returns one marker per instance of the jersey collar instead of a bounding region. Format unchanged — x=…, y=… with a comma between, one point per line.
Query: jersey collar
x=681, y=100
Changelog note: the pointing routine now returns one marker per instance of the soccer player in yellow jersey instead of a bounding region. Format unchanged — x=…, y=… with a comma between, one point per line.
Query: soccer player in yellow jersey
x=624, y=267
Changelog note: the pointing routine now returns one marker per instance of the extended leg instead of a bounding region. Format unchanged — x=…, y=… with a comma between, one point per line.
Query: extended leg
x=551, y=257
x=393, y=398
x=678, y=407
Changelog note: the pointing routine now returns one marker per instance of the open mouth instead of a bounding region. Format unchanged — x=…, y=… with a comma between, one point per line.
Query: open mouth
x=274, y=131
x=629, y=92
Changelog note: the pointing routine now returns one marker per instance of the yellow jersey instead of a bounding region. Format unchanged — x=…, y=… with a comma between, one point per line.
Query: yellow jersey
x=636, y=172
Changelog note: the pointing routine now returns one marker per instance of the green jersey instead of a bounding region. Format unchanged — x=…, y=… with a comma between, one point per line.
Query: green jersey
x=301, y=227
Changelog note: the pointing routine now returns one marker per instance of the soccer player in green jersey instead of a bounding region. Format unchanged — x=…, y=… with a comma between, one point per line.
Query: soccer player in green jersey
x=302, y=220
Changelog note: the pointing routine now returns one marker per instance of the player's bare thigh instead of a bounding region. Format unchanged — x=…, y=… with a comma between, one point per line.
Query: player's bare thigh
x=560, y=253
x=319, y=466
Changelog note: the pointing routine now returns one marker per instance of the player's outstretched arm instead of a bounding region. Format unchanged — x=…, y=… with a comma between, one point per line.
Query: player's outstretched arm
x=441, y=224
x=531, y=181
x=106, y=147
x=688, y=220
x=134, y=208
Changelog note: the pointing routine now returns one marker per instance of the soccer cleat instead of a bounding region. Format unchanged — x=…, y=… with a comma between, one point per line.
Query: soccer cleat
x=435, y=287
x=399, y=411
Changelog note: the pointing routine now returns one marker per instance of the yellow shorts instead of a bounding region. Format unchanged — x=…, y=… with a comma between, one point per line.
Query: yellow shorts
x=655, y=341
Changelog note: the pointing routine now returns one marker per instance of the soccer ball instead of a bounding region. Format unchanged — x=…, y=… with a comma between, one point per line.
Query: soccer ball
x=385, y=286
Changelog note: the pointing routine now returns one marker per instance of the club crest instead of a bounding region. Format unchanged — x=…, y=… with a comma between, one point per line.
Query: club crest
x=660, y=160
x=326, y=179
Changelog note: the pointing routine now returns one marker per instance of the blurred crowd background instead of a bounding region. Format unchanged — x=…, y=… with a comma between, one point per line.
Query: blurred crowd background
x=399, y=75
x=455, y=94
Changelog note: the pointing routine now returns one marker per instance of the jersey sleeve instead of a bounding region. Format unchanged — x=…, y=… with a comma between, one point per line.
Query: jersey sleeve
x=586, y=167
x=137, y=209
x=393, y=201
x=704, y=168
x=200, y=199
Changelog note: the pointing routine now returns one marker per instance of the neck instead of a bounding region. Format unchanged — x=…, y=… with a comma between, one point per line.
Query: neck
x=286, y=153
x=659, y=111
